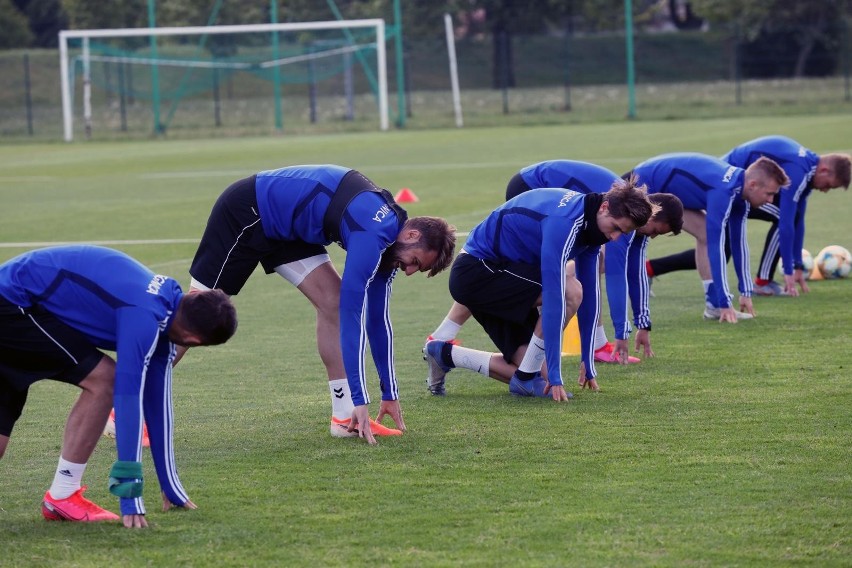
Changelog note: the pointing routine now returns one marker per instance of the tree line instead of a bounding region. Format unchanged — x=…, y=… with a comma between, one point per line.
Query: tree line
x=790, y=30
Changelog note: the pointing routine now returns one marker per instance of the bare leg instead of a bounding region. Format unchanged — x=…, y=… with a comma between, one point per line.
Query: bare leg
x=322, y=288
x=89, y=414
x=695, y=224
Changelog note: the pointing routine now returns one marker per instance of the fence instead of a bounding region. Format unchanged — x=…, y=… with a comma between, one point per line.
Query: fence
x=559, y=79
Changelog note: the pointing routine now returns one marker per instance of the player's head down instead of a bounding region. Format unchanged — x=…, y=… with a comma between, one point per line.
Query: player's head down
x=204, y=318
x=625, y=207
x=425, y=244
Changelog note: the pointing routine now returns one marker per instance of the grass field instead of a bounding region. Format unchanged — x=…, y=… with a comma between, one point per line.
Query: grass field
x=730, y=448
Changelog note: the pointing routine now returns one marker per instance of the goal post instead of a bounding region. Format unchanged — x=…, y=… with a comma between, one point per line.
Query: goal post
x=85, y=37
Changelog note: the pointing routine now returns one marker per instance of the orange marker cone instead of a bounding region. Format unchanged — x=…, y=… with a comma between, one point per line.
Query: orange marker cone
x=405, y=195
x=571, y=338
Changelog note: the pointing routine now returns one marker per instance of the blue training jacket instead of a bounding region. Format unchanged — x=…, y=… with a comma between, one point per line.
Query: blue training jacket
x=292, y=203
x=121, y=306
x=542, y=227
x=625, y=256
x=789, y=207
x=708, y=183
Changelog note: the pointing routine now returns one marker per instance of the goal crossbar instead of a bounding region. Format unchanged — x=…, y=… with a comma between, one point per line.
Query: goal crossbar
x=65, y=35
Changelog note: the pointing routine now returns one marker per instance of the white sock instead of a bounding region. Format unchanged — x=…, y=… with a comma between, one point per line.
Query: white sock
x=472, y=359
x=600, y=337
x=341, y=399
x=534, y=357
x=67, y=479
x=447, y=330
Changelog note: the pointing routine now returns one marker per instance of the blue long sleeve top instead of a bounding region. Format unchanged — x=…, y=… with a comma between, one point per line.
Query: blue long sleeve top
x=791, y=202
x=545, y=227
x=622, y=258
x=293, y=202
x=707, y=183
x=119, y=305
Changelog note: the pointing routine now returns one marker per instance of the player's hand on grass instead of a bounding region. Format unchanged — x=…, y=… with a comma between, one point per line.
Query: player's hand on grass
x=643, y=340
x=621, y=351
x=799, y=278
x=134, y=521
x=168, y=504
x=747, y=306
x=728, y=315
x=557, y=392
x=394, y=410
x=585, y=383
x=361, y=422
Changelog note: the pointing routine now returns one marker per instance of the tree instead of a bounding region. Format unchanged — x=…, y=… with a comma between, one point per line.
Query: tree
x=775, y=26
x=14, y=28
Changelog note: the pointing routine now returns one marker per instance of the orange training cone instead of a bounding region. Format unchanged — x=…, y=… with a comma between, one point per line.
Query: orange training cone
x=571, y=338
x=405, y=195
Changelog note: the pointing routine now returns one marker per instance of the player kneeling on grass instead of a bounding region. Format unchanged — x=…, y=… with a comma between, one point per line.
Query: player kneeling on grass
x=283, y=219
x=58, y=307
x=513, y=276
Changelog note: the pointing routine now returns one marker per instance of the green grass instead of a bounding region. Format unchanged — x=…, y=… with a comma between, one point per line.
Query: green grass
x=730, y=448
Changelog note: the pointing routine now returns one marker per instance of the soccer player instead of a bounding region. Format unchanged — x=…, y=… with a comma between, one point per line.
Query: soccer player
x=283, y=219
x=786, y=236
x=58, y=307
x=623, y=262
x=716, y=197
x=514, y=277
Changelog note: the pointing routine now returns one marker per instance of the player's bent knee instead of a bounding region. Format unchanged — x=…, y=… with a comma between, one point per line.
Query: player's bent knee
x=101, y=380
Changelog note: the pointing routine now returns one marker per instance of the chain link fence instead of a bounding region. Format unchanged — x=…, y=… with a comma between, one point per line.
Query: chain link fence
x=559, y=78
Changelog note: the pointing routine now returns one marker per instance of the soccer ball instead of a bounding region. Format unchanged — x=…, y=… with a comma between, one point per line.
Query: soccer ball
x=807, y=262
x=834, y=262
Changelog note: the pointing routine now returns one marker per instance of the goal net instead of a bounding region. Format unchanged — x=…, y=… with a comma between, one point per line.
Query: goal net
x=247, y=78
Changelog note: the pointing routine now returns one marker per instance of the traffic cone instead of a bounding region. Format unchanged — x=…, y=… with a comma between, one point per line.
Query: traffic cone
x=405, y=195
x=571, y=338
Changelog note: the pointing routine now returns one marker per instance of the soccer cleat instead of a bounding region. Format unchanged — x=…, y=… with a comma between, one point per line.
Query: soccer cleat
x=716, y=313
x=605, y=354
x=771, y=288
x=109, y=430
x=75, y=508
x=340, y=428
x=437, y=369
x=531, y=387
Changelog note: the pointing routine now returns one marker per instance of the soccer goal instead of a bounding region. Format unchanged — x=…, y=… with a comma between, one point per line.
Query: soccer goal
x=157, y=79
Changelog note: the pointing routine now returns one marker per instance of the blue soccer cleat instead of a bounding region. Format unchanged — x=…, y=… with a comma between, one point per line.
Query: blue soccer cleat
x=437, y=369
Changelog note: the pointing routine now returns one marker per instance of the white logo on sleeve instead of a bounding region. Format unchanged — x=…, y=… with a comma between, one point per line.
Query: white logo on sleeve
x=729, y=175
x=155, y=284
x=380, y=215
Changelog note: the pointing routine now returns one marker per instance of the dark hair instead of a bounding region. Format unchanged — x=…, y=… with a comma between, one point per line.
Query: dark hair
x=669, y=210
x=627, y=199
x=210, y=315
x=437, y=235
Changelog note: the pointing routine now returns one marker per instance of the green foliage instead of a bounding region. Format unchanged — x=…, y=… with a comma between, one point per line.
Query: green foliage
x=14, y=31
x=729, y=448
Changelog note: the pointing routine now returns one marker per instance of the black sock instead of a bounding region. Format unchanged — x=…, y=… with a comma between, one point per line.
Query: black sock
x=524, y=376
x=447, y=355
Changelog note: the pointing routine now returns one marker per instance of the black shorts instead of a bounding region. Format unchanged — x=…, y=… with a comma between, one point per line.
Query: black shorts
x=35, y=345
x=234, y=242
x=501, y=296
x=516, y=186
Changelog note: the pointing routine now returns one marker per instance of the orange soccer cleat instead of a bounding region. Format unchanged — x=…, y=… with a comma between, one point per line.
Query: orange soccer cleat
x=75, y=508
x=340, y=428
